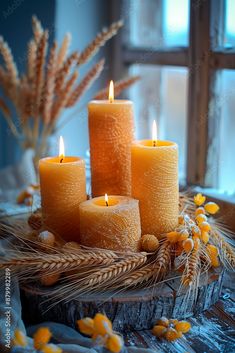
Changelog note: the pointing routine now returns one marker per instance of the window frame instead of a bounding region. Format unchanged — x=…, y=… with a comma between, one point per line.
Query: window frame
x=203, y=57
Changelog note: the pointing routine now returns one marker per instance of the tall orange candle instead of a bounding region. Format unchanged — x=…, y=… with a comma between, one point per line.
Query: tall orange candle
x=111, y=128
x=155, y=184
x=63, y=188
x=110, y=222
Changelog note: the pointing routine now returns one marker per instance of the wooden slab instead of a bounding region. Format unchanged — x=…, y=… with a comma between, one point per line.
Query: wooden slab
x=129, y=310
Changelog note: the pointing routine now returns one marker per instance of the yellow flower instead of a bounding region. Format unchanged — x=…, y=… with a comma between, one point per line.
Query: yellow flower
x=211, y=207
x=188, y=245
x=205, y=226
x=19, y=339
x=205, y=237
x=199, y=199
x=159, y=330
x=114, y=343
x=86, y=326
x=51, y=348
x=200, y=210
x=163, y=321
x=102, y=325
x=172, y=334
x=41, y=337
x=170, y=329
x=201, y=218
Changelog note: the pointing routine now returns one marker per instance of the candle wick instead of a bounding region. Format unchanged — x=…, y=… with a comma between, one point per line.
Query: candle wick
x=154, y=143
x=61, y=160
x=106, y=203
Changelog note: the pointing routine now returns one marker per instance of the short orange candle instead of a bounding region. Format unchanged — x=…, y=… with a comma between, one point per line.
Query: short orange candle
x=155, y=184
x=63, y=188
x=111, y=223
x=111, y=127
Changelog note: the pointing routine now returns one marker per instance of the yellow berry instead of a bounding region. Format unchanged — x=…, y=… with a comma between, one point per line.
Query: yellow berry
x=183, y=326
x=201, y=218
x=200, y=210
x=172, y=334
x=149, y=243
x=86, y=326
x=184, y=234
x=49, y=279
x=19, y=339
x=196, y=231
x=159, y=330
x=46, y=238
x=199, y=199
x=102, y=325
x=205, y=237
x=205, y=226
x=163, y=321
x=181, y=220
x=114, y=343
x=172, y=237
x=211, y=207
x=51, y=348
x=188, y=245
x=41, y=337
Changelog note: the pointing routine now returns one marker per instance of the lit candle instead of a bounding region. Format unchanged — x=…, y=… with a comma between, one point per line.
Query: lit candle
x=155, y=183
x=111, y=127
x=63, y=188
x=110, y=222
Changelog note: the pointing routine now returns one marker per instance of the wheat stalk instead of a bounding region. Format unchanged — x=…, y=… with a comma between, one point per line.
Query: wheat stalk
x=192, y=268
x=226, y=251
x=64, y=71
x=98, y=42
x=88, y=80
x=9, y=61
x=7, y=115
x=63, y=50
x=119, y=86
x=32, y=48
x=37, y=29
x=49, y=84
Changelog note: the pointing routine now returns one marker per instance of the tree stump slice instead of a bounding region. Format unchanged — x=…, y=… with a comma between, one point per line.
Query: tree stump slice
x=131, y=310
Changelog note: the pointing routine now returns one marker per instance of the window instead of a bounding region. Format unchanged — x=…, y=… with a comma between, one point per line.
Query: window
x=184, y=51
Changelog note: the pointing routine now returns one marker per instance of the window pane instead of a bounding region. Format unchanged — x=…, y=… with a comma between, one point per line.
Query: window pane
x=227, y=133
x=162, y=95
x=156, y=23
x=229, y=23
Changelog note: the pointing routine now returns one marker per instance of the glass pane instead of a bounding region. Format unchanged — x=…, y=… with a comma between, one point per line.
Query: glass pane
x=229, y=39
x=156, y=23
x=162, y=95
x=227, y=133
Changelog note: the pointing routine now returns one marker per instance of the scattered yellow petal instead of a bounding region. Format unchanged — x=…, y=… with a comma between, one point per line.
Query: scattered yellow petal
x=172, y=237
x=199, y=199
x=102, y=325
x=163, y=321
x=41, y=337
x=200, y=210
x=172, y=334
x=211, y=207
x=183, y=326
x=51, y=348
x=205, y=226
x=114, y=343
x=19, y=339
x=188, y=245
x=159, y=330
x=86, y=326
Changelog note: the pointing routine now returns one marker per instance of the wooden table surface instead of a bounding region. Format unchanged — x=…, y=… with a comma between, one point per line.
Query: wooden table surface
x=213, y=331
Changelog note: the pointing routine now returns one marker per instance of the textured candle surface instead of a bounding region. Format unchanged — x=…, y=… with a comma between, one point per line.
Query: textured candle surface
x=155, y=185
x=63, y=188
x=115, y=227
x=111, y=129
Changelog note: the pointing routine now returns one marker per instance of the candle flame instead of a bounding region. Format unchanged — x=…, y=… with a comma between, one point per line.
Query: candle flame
x=154, y=133
x=111, y=92
x=106, y=199
x=61, y=150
